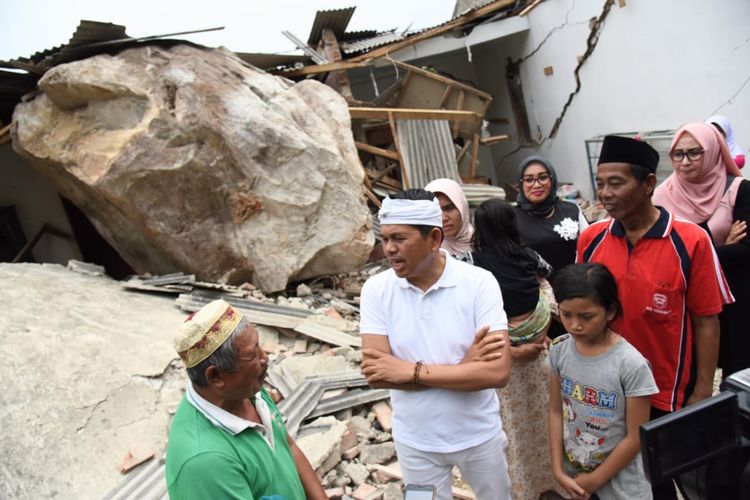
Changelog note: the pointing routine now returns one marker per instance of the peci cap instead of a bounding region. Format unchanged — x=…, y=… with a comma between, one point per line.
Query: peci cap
x=205, y=331
x=618, y=149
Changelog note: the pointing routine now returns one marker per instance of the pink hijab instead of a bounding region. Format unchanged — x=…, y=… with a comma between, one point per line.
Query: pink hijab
x=698, y=200
x=461, y=243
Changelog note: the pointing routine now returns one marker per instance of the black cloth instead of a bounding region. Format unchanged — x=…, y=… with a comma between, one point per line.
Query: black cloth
x=517, y=277
x=553, y=237
x=544, y=208
x=734, y=347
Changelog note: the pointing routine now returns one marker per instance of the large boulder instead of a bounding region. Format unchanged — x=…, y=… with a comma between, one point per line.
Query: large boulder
x=190, y=159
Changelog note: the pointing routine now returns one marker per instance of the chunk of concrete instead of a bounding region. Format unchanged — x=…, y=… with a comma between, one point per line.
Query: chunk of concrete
x=357, y=472
x=377, y=453
x=323, y=449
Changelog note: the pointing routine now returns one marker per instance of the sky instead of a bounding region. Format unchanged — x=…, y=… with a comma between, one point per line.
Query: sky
x=29, y=26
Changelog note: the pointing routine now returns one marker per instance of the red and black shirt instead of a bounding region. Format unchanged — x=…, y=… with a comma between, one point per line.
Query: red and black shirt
x=670, y=275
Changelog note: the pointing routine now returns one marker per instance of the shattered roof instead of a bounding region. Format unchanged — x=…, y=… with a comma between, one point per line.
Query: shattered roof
x=336, y=20
x=85, y=41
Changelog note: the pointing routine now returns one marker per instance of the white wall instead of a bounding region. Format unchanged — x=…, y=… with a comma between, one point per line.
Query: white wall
x=36, y=201
x=657, y=64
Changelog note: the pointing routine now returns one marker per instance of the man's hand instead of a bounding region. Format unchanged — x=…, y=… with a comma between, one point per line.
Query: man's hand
x=485, y=347
x=378, y=366
x=737, y=232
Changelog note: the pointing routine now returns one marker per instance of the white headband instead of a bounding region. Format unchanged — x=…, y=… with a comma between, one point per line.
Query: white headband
x=411, y=212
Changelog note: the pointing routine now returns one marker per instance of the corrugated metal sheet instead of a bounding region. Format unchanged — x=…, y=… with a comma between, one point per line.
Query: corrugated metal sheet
x=428, y=151
x=87, y=33
x=147, y=482
x=366, y=44
x=352, y=36
x=335, y=20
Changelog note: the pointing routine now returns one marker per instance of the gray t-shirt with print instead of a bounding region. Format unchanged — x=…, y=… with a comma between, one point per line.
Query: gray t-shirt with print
x=593, y=391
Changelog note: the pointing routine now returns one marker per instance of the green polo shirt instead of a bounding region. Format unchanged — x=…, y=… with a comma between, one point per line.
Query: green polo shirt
x=205, y=461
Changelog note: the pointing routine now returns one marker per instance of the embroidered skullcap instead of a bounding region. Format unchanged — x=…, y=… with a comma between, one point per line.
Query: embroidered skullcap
x=411, y=212
x=617, y=149
x=205, y=331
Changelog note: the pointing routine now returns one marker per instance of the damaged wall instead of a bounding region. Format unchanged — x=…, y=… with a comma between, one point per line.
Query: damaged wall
x=656, y=65
x=189, y=159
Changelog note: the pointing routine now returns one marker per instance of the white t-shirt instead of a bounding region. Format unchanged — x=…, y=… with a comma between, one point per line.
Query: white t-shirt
x=437, y=327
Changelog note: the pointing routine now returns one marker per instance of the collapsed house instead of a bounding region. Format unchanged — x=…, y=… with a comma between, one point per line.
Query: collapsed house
x=462, y=100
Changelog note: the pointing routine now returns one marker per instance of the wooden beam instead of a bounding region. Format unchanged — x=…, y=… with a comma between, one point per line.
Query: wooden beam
x=402, y=167
x=463, y=151
x=438, y=30
x=529, y=7
x=444, y=97
x=459, y=107
x=387, y=170
x=413, y=114
x=316, y=69
x=5, y=134
x=474, y=153
x=371, y=196
x=487, y=141
x=442, y=79
x=385, y=153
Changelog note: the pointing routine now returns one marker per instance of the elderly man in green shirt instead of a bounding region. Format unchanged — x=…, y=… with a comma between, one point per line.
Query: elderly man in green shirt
x=228, y=439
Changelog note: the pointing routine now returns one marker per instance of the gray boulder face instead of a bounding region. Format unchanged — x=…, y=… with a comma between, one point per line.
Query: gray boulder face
x=188, y=159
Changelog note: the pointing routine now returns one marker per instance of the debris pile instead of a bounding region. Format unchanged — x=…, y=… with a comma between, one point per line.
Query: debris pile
x=312, y=339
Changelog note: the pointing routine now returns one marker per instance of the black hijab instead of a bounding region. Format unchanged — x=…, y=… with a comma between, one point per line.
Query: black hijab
x=543, y=209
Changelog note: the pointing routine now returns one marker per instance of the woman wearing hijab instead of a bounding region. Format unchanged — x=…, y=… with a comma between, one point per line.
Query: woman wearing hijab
x=722, y=125
x=707, y=188
x=457, y=229
x=547, y=224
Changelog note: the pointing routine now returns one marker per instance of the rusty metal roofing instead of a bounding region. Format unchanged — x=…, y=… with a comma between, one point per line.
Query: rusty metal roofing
x=335, y=19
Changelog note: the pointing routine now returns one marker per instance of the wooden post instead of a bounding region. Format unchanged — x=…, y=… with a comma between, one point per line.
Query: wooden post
x=474, y=153
x=459, y=107
x=404, y=175
x=337, y=79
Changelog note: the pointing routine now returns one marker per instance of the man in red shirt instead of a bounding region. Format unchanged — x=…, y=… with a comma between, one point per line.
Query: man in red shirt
x=670, y=282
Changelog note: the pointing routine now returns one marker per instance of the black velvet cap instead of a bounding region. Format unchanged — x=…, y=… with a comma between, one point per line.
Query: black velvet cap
x=617, y=149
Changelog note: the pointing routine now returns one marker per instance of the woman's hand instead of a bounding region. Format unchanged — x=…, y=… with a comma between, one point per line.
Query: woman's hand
x=737, y=232
x=571, y=487
x=527, y=352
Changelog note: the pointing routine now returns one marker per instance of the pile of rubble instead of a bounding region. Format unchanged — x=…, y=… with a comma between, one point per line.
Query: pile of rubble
x=311, y=336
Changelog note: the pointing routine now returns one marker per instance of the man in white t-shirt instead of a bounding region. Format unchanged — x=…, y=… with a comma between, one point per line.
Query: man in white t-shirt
x=418, y=326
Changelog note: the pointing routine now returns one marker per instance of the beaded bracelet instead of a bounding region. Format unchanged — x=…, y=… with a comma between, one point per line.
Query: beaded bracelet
x=417, y=367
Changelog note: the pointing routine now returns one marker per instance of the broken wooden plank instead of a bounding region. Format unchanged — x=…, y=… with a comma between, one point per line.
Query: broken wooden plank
x=493, y=139
x=385, y=153
x=401, y=165
x=413, y=114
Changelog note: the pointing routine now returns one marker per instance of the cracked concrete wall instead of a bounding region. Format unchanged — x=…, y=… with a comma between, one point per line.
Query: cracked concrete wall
x=656, y=65
x=89, y=372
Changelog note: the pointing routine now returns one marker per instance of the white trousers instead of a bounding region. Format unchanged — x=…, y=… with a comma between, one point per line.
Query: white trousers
x=483, y=466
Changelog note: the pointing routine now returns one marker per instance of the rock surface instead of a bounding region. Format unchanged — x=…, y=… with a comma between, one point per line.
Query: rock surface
x=188, y=159
x=88, y=375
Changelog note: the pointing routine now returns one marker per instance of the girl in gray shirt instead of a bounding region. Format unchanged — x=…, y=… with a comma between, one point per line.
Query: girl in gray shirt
x=599, y=392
